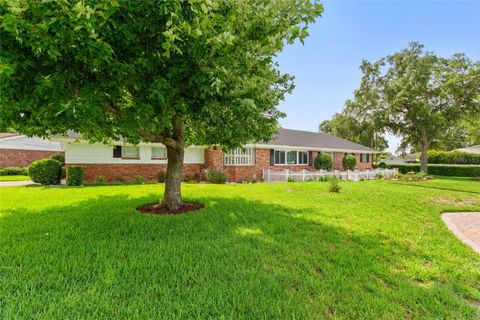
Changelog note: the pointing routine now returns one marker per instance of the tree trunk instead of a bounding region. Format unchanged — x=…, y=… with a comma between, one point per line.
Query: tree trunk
x=424, y=156
x=172, y=197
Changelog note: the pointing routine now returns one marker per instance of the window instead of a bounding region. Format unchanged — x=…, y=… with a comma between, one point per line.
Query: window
x=117, y=151
x=130, y=152
x=290, y=157
x=279, y=157
x=159, y=152
x=302, y=157
x=364, y=157
x=239, y=157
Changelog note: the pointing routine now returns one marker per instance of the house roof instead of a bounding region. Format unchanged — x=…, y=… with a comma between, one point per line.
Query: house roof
x=21, y=142
x=471, y=149
x=286, y=138
x=315, y=140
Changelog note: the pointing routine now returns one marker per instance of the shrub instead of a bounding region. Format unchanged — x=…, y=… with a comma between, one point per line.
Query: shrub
x=45, y=171
x=161, y=175
x=333, y=184
x=378, y=176
x=323, y=179
x=186, y=179
x=453, y=157
x=290, y=179
x=215, y=176
x=13, y=171
x=59, y=157
x=75, y=176
x=349, y=162
x=382, y=165
x=119, y=180
x=323, y=161
x=440, y=170
x=100, y=180
x=64, y=172
x=139, y=180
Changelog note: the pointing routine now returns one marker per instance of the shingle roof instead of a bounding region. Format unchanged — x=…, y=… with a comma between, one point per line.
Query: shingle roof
x=298, y=138
x=21, y=142
x=471, y=149
x=314, y=140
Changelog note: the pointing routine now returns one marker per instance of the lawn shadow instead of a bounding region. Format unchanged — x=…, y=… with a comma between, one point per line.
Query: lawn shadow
x=277, y=261
x=415, y=184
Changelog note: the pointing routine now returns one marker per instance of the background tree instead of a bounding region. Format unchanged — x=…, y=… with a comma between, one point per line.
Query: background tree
x=466, y=132
x=175, y=72
x=358, y=123
x=420, y=96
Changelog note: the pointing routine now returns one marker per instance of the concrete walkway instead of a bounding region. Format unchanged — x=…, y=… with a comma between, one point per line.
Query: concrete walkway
x=15, y=183
x=466, y=226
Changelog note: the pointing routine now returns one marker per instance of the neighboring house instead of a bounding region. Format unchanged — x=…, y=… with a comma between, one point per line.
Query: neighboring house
x=17, y=150
x=472, y=149
x=289, y=149
x=408, y=158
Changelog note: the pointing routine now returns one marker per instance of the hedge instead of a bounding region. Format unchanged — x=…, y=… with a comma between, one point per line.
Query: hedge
x=45, y=171
x=74, y=176
x=13, y=171
x=453, y=157
x=440, y=170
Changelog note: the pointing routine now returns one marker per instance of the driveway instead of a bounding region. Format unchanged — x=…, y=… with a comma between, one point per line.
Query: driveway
x=15, y=183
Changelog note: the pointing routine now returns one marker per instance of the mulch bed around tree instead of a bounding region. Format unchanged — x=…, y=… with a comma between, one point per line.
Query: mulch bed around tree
x=157, y=208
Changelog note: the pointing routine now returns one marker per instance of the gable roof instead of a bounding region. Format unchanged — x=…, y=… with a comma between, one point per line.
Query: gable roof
x=315, y=140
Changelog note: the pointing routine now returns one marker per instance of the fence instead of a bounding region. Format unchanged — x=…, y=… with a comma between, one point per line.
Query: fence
x=305, y=175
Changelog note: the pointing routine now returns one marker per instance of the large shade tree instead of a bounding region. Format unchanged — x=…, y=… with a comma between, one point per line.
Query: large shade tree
x=420, y=96
x=176, y=72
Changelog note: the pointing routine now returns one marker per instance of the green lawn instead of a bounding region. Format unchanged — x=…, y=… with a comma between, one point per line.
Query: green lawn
x=377, y=250
x=14, y=178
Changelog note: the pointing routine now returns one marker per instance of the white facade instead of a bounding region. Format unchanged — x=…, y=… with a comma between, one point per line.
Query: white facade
x=78, y=153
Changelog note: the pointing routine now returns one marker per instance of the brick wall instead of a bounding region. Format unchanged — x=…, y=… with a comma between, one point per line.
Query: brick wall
x=22, y=158
x=128, y=171
x=213, y=159
x=238, y=173
x=365, y=165
x=338, y=157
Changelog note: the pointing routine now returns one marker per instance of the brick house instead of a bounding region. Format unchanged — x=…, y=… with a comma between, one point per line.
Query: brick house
x=17, y=150
x=289, y=149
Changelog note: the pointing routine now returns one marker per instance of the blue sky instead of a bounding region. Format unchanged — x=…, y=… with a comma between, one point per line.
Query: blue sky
x=326, y=67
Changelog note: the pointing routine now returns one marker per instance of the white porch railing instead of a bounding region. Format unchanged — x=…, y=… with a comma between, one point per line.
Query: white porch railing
x=270, y=175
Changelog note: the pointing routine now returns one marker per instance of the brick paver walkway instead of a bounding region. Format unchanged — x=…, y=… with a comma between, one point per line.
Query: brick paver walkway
x=466, y=226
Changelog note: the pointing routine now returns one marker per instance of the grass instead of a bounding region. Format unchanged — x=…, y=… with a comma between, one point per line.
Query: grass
x=376, y=250
x=14, y=178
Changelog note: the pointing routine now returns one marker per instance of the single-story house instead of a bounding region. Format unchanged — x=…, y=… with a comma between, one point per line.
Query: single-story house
x=402, y=159
x=472, y=149
x=288, y=149
x=17, y=150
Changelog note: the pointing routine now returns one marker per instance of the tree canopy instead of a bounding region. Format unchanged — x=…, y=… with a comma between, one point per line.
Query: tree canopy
x=418, y=95
x=176, y=72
